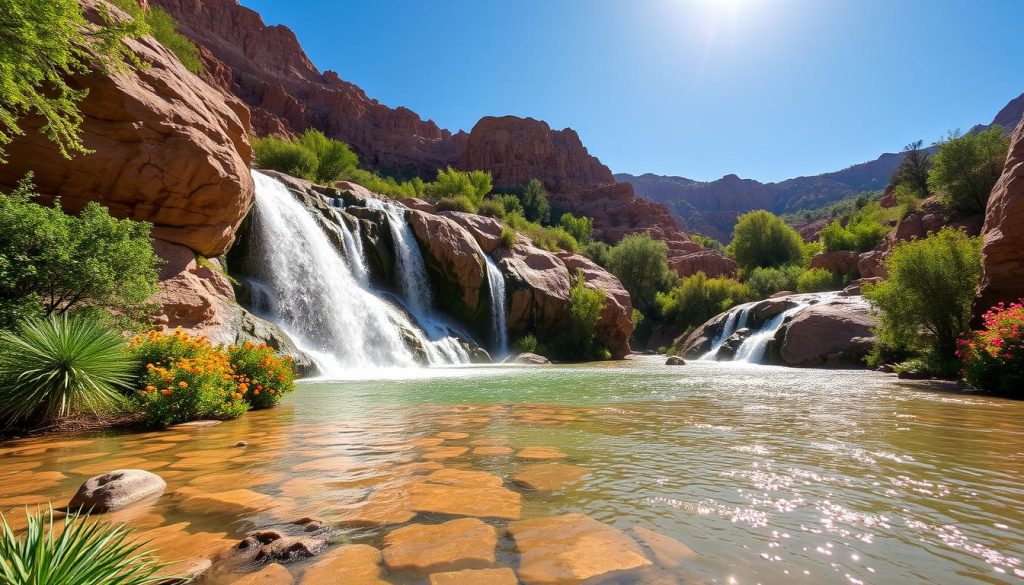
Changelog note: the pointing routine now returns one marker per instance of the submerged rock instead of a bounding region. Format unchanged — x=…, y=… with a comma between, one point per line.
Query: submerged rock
x=527, y=358
x=115, y=490
x=503, y=576
x=354, y=564
x=272, y=574
x=548, y=477
x=674, y=360
x=462, y=543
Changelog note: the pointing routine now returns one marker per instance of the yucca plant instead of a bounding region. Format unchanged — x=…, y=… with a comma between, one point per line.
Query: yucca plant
x=74, y=551
x=51, y=368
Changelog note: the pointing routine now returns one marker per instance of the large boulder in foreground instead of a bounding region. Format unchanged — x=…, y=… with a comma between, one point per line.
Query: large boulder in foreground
x=832, y=333
x=169, y=149
x=115, y=490
x=1003, y=233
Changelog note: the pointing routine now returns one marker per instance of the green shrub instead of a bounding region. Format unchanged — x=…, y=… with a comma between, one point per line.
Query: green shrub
x=508, y=237
x=818, y=280
x=263, y=376
x=641, y=264
x=74, y=551
x=334, y=159
x=458, y=203
x=707, y=242
x=491, y=208
x=552, y=239
x=387, y=186
x=761, y=239
x=764, y=282
x=599, y=252
x=967, y=167
x=164, y=28
x=510, y=203
x=61, y=366
x=527, y=344
x=534, y=200
x=698, y=298
x=452, y=184
x=862, y=232
x=284, y=156
x=580, y=228
x=912, y=174
x=993, y=358
x=579, y=340
x=926, y=302
x=52, y=263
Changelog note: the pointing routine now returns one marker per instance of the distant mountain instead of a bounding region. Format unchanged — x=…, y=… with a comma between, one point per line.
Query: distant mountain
x=711, y=207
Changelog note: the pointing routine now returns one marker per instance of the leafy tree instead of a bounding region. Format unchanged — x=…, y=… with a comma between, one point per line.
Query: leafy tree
x=482, y=185
x=818, y=280
x=42, y=44
x=285, y=156
x=491, y=208
x=707, y=241
x=698, y=298
x=966, y=168
x=761, y=239
x=913, y=169
x=164, y=29
x=599, y=252
x=535, y=202
x=766, y=281
x=581, y=228
x=641, y=263
x=453, y=183
x=52, y=263
x=926, y=302
x=511, y=204
x=334, y=159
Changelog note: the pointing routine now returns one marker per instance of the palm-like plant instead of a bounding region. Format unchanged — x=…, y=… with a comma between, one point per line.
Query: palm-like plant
x=74, y=552
x=50, y=368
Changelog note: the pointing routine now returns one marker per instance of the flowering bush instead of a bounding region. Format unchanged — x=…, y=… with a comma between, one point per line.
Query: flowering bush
x=187, y=378
x=263, y=376
x=993, y=358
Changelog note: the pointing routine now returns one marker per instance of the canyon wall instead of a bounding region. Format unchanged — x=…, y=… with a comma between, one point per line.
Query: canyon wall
x=1003, y=233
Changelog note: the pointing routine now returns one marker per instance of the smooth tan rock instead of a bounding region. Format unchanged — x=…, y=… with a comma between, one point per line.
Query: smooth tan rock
x=462, y=477
x=572, y=549
x=465, y=500
x=272, y=574
x=548, y=477
x=541, y=453
x=838, y=332
x=492, y=451
x=336, y=464
x=354, y=564
x=445, y=453
x=503, y=576
x=117, y=489
x=527, y=358
x=665, y=550
x=232, y=500
x=486, y=230
x=452, y=435
x=466, y=542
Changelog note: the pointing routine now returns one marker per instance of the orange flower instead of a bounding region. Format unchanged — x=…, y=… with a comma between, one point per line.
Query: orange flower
x=183, y=384
x=167, y=391
x=150, y=388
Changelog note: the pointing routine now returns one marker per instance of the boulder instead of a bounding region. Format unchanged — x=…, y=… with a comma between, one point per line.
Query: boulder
x=115, y=490
x=833, y=333
x=616, y=323
x=527, y=358
x=168, y=149
x=674, y=360
x=456, y=264
x=712, y=263
x=840, y=261
x=461, y=543
x=1003, y=233
x=700, y=340
x=419, y=204
x=538, y=286
x=486, y=230
x=732, y=345
x=272, y=574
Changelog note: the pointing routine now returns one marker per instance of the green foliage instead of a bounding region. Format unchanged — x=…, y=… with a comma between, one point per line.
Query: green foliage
x=491, y=208
x=818, y=280
x=61, y=366
x=534, y=200
x=637, y=317
x=508, y=237
x=527, y=344
x=285, y=156
x=993, y=357
x=510, y=203
x=707, y=241
x=457, y=203
x=42, y=44
x=843, y=208
x=641, y=263
x=913, y=170
x=698, y=298
x=926, y=302
x=764, y=282
x=967, y=167
x=52, y=263
x=580, y=228
x=75, y=551
x=599, y=252
x=387, y=186
x=164, y=29
x=452, y=184
x=579, y=340
x=264, y=377
x=761, y=239
x=552, y=239
x=335, y=160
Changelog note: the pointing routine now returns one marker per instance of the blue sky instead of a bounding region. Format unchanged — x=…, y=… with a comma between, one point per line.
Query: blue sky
x=766, y=89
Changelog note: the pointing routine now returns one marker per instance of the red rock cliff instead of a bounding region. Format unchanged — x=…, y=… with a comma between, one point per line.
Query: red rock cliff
x=1003, y=233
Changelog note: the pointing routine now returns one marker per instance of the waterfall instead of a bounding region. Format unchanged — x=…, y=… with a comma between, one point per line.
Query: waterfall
x=320, y=298
x=736, y=320
x=499, y=307
x=415, y=286
x=353, y=240
x=753, y=347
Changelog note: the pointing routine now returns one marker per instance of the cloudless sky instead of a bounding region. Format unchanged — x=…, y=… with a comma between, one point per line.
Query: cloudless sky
x=766, y=89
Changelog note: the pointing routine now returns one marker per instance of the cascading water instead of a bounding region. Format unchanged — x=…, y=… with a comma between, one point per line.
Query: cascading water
x=753, y=347
x=304, y=285
x=736, y=320
x=499, y=307
x=415, y=285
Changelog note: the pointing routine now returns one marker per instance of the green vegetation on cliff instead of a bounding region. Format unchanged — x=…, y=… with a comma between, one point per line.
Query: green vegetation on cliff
x=966, y=168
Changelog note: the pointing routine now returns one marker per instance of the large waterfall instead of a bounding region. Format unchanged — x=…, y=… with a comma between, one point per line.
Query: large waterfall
x=323, y=300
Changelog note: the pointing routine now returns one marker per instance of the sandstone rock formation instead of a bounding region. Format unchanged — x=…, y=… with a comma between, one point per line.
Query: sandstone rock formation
x=1003, y=249
x=353, y=564
x=833, y=333
x=452, y=253
x=461, y=543
x=169, y=149
x=115, y=490
x=486, y=230
x=840, y=261
x=616, y=323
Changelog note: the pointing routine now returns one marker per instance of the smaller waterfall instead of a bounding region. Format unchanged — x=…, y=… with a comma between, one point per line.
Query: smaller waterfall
x=499, y=307
x=353, y=240
x=753, y=347
x=736, y=320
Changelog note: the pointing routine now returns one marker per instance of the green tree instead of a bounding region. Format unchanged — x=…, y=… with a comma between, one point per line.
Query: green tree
x=52, y=263
x=766, y=281
x=641, y=263
x=511, y=204
x=818, y=280
x=966, y=168
x=452, y=183
x=926, y=302
x=761, y=239
x=913, y=169
x=42, y=44
x=334, y=159
x=535, y=202
x=164, y=29
x=698, y=298
x=286, y=156
x=585, y=306
x=599, y=252
x=581, y=228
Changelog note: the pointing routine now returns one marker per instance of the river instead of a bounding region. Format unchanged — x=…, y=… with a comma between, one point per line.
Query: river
x=769, y=475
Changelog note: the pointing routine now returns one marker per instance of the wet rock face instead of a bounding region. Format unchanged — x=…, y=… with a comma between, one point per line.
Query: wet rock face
x=458, y=269
x=169, y=149
x=1003, y=233
x=115, y=490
